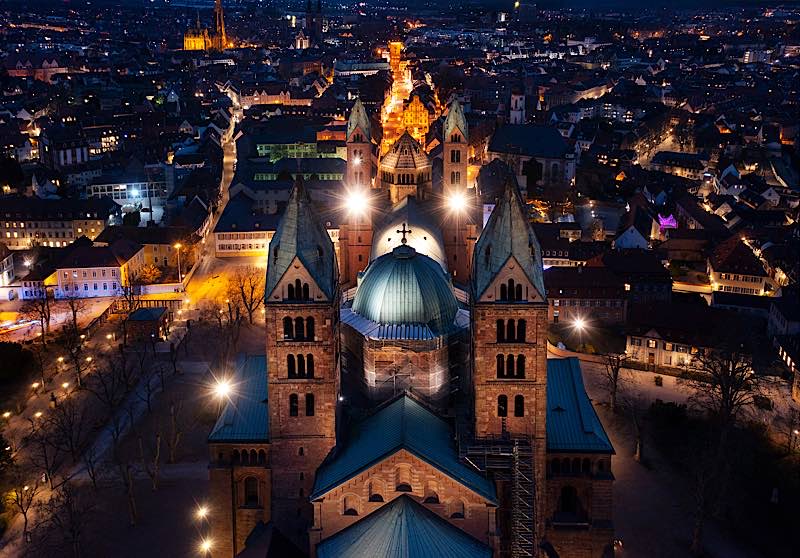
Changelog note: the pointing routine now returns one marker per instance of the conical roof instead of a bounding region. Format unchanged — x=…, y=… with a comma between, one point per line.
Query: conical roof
x=358, y=119
x=407, y=154
x=301, y=234
x=455, y=119
x=507, y=233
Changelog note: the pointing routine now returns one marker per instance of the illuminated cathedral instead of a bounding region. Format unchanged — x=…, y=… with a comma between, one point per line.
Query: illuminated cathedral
x=405, y=404
x=199, y=38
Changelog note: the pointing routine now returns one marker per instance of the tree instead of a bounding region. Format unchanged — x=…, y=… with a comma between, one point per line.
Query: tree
x=39, y=309
x=132, y=219
x=725, y=385
x=25, y=487
x=69, y=427
x=614, y=362
x=246, y=287
x=76, y=306
x=149, y=274
x=175, y=429
x=68, y=513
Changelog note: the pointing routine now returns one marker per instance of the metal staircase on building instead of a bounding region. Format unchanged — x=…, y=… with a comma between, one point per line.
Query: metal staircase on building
x=510, y=460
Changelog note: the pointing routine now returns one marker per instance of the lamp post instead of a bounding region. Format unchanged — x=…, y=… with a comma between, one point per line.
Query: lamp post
x=177, y=247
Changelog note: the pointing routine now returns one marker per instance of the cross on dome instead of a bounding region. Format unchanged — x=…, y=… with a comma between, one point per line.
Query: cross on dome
x=404, y=231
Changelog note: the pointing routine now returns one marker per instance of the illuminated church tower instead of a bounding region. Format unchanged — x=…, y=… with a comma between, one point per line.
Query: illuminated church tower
x=220, y=39
x=455, y=150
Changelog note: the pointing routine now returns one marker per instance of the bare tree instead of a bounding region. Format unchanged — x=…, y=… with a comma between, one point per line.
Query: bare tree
x=152, y=465
x=76, y=306
x=246, y=287
x=25, y=487
x=227, y=319
x=73, y=343
x=614, y=362
x=45, y=455
x=175, y=429
x=725, y=385
x=69, y=514
x=69, y=427
x=91, y=461
x=39, y=309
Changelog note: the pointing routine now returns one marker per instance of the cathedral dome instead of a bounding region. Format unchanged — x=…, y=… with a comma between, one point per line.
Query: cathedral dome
x=405, y=288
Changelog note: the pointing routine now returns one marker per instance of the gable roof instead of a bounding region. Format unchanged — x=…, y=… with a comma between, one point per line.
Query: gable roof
x=301, y=234
x=572, y=423
x=508, y=233
x=245, y=417
x=529, y=140
x=402, y=528
x=400, y=424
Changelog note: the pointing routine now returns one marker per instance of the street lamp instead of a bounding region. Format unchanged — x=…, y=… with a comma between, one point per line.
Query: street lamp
x=201, y=513
x=178, y=247
x=356, y=203
x=457, y=202
x=205, y=546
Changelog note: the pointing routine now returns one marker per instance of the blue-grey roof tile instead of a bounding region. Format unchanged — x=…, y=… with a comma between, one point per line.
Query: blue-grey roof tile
x=246, y=415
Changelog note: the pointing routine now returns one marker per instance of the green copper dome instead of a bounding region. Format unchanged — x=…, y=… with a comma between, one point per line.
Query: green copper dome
x=403, y=288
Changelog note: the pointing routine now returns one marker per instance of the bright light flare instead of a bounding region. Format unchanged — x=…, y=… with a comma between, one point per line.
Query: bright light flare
x=206, y=545
x=223, y=389
x=356, y=202
x=579, y=324
x=457, y=202
x=202, y=512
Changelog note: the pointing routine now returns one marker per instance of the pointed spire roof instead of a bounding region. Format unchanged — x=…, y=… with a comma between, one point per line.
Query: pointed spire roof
x=300, y=234
x=358, y=119
x=455, y=119
x=508, y=233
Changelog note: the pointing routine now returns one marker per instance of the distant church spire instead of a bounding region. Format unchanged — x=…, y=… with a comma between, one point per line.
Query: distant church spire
x=358, y=120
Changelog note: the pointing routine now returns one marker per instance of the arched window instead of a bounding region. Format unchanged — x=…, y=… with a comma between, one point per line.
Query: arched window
x=288, y=328
x=503, y=292
x=301, y=366
x=457, y=510
x=509, y=366
x=309, y=365
x=555, y=466
x=290, y=292
x=297, y=288
x=431, y=494
x=251, y=491
x=521, y=326
x=305, y=292
x=293, y=405
x=502, y=406
x=262, y=457
x=520, y=366
x=349, y=505
x=291, y=370
x=511, y=289
x=501, y=373
x=568, y=503
x=519, y=406
x=301, y=451
x=253, y=457
x=299, y=328
x=510, y=331
x=403, y=479
x=576, y=466
x=309, y=404
x=586, y=466
x=518, y=292
x=310, y=334
x=501, y=331
x=235, y=457
x=375, y=491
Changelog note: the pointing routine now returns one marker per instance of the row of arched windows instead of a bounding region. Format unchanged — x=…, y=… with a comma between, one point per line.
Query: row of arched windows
x=300, y=366
x=511, y=291
x=502, y=406
x=298, y=291
x=455, y=177
x=455, y=156
x=511, y=331
x=351, y=503
x=510, y=366
x=299, y=329
x=294, y=405
x=251, y=457
x=574, y=466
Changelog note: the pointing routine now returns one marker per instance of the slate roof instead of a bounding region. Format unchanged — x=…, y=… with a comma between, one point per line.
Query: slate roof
x=406, y=153
x=147, y=314
x=734, y=256
x=572, y=423
x=455, y=119
x=402, y=529
x=240, y=215
x=507, y=233
x=529, y=140
x=358, y=119
x=406, y=288
x=400, y=424
x=245, y=417
x=301, y=234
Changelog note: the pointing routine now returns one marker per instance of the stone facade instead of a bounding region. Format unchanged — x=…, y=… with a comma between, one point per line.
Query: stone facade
x=382, y=483
x=302, y=397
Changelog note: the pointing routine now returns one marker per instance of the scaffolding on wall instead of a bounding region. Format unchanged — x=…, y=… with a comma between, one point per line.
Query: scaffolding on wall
x=510, y=460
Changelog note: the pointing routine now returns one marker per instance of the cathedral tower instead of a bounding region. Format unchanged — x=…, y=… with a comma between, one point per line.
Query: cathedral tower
x=302, y=309
x=359, y=148
x=455, y=150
